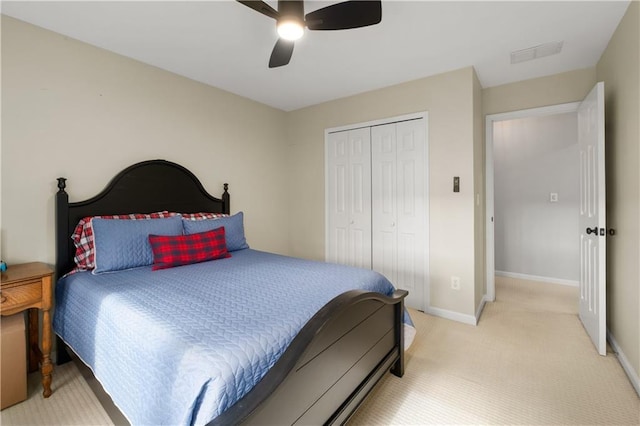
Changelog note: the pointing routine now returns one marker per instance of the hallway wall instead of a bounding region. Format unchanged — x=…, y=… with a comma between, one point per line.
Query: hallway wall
x=533, y=158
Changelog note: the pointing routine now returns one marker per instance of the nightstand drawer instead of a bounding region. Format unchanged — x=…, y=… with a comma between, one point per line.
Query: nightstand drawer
x=19, y=296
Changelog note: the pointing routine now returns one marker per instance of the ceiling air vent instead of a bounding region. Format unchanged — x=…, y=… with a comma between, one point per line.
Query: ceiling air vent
x=536, y=52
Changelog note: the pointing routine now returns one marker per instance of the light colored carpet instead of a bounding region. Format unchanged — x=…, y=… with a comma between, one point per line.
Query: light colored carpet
x=528, y=361
x=72, y=402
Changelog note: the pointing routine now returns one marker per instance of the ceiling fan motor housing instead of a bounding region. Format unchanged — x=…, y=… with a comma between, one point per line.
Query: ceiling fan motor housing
x=290, y=22
x=291, y=11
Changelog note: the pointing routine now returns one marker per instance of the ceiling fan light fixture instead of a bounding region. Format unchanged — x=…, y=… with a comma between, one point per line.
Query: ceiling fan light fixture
x=290, y=29
x=291, y=21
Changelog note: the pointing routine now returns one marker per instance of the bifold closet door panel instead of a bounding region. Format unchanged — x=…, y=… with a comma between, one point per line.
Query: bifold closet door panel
x=412, y=212
x=384, y=195
x=399, y=206
x=349, y=198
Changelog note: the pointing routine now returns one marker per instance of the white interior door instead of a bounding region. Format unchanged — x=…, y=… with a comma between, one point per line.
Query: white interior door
x=592, y=217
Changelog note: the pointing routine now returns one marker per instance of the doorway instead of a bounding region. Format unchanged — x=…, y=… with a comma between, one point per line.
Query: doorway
x=532, y=196
x=592, y=208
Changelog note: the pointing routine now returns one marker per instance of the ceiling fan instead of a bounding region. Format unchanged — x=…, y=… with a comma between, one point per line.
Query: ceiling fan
x=291, y=21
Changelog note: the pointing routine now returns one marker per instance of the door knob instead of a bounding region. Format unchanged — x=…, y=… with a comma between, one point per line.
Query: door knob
x=592, y=231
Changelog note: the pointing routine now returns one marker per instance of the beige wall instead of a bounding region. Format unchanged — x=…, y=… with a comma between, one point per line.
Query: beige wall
x=74, y=110
x=556, y=89
x=70, y=109
x=619, y=68
x=449, y=100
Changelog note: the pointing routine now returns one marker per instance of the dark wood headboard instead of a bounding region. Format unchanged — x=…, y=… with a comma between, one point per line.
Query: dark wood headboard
x=145, y=187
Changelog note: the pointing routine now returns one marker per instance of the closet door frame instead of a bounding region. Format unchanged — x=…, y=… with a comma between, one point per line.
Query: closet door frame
x=414, y=116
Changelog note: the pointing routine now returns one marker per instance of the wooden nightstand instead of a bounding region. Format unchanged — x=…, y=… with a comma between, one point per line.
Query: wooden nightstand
x=28, y=286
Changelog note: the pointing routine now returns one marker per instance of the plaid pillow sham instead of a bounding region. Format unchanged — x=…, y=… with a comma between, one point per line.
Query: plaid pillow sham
x=178, y=250
x=83, y=233
x=83, y=236
x=202, y=216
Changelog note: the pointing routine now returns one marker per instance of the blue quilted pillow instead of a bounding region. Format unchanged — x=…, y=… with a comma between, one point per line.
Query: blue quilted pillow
x=233, y=228
x=124, y=244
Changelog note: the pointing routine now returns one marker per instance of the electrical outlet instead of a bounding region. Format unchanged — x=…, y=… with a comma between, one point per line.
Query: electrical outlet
x=455, y=283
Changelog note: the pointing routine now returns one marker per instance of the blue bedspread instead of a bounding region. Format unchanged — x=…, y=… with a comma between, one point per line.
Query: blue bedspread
x=181, y=345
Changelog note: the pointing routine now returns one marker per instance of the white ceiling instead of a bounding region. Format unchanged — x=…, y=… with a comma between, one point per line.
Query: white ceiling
x=227, y=45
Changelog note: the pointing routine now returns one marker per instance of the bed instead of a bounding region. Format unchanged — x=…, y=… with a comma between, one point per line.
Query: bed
x=236, y=340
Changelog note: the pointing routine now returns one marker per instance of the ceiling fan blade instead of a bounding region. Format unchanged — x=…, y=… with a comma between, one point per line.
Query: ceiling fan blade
x=345, y=15
x=261, y=7
x=281, y=54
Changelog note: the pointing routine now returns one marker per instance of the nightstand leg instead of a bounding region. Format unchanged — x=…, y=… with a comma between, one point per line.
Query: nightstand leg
x=47, y=366
x=34, y=353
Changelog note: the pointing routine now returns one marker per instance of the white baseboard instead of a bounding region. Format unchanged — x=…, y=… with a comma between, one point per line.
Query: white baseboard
x=451, y=315
x=528, y=277
x=626, y=365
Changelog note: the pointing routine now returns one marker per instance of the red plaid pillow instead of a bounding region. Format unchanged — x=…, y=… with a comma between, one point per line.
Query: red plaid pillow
x=83, y=236
x=177, y=250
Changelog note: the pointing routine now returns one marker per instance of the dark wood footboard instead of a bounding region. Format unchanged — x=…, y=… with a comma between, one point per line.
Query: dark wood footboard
x=330, y=366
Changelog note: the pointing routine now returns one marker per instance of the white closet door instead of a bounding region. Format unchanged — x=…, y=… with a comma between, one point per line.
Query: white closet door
x=360, y=198
x=349, y=198
x=411, y=212
x=338, y=198
x=399, y=206
x=384, y=195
